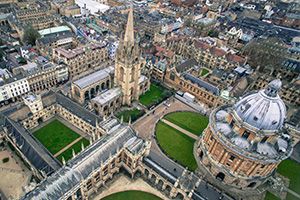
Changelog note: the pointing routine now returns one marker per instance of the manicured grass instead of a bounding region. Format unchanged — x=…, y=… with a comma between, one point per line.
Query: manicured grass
x=67, y=154
x=291, y=169
x=176, y=145
x=270, y=196
x=291, y=197
x=134, y=114
x=55, y=136
x=132, y=195
x=204, y=72
x=190, y=121
x=154, y=95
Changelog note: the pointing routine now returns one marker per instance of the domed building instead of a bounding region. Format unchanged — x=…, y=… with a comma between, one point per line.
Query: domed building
x=245, y=142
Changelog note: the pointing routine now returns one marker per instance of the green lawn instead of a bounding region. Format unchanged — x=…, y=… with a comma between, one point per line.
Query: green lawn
x=67, y=154
x=132, y=195
x=190, y=121
x=291, y=169
x=176, y=145
x=204, y=72
x=134, y=114
x=55, y=136
x=270, y=196
x=154, y=95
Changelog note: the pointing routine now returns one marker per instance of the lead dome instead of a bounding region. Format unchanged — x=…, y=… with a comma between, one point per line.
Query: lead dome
x=263, y=110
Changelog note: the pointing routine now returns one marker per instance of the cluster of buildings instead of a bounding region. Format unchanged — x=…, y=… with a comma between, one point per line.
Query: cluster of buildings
x=83, y=68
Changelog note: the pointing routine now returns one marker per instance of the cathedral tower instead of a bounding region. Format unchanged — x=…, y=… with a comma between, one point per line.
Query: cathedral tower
x=128, y=64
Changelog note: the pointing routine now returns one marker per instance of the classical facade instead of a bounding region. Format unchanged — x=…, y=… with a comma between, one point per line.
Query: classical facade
x=245, y=142
x=47, y=76
x=128, y=65
x=82, y=59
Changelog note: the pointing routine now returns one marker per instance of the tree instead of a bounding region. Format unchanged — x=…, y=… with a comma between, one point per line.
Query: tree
x=30, y=35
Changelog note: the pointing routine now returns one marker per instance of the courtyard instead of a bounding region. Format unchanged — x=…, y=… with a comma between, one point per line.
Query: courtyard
x=59, y=139
x=132, y=195
x=154, y=95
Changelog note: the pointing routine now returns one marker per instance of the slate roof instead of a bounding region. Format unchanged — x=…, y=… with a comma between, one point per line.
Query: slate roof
x=201, y=83
x=186, y=65
x=69, y=176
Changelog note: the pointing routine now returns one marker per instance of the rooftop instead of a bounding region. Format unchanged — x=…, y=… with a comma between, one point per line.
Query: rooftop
x=92, y=78
x=52, y=30
x=107, y=96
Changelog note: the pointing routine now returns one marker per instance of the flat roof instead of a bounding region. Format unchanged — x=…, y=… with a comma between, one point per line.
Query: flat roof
x=107, y=96
x=56, y=29
x=92, y=78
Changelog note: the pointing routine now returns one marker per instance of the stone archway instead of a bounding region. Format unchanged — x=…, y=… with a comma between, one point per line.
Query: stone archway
x=160, y=184
x=252, y=185
x=102, y=86
x=168, y=190
x=179, y=196
x=146, y=172
x=40, y=120
x=93, y=92
x=220, y=176
x=97, y=88
x=86, y=95
x=153, y=178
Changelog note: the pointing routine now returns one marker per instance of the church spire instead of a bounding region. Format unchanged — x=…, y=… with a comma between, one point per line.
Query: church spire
x=129, y=32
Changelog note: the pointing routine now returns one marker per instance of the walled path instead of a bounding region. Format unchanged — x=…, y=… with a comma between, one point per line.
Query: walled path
x=145, y=126
x=191, y=135
x=68, y=146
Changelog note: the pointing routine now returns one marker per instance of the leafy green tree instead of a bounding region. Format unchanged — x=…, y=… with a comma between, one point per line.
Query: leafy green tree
x=30, y=35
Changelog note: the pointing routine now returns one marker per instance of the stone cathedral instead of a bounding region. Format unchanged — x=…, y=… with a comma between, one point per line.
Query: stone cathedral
x=128, y=65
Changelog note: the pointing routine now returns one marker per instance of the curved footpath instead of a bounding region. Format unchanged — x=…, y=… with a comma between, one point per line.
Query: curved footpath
x=149, y=121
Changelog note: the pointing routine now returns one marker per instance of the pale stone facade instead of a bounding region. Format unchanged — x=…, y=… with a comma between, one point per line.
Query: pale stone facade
x=82, y=59
x=128, y=65
x=244, y=143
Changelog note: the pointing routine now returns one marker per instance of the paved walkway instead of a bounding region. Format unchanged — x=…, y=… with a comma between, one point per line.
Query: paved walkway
x=67, y=147
x=126, y=184
x=195, y=137
x=293, y=193
x=150, y=119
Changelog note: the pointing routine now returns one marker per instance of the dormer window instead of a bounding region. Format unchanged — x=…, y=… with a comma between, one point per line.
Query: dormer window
x=255, y=118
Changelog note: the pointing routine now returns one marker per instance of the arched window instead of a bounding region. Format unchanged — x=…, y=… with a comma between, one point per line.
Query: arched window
x=121, y=75
x=132, y=74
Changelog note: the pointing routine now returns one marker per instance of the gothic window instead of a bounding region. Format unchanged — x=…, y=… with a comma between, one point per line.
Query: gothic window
x=246, y=135
x=132, y=74
x=121, y=75
x=172, y=76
